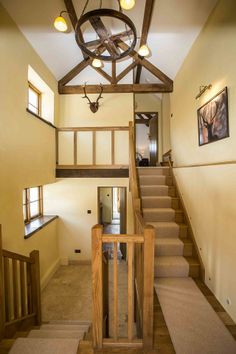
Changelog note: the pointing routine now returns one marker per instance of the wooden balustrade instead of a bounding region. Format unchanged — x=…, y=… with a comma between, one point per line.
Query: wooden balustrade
x=140, y=258
x=20, y=301
x=92, y=147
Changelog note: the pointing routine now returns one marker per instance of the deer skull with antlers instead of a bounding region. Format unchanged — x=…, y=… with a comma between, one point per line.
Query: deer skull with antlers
x=93, y=105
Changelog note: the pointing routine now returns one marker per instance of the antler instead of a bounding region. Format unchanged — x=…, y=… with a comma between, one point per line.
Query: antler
x=100, y=94
x=85, y=94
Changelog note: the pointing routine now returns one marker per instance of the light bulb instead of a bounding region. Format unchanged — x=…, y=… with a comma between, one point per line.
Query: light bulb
x=144, y=51
x=127, y=4
x=97, y=63
x=60, y=24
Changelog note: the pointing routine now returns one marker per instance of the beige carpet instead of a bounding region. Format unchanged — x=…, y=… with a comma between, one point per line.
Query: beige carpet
x=193, y=325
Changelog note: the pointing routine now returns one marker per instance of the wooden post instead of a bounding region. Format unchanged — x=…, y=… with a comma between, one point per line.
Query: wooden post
x=148, y=283
x=97, y=291
x=2, y=297
x=36, y=291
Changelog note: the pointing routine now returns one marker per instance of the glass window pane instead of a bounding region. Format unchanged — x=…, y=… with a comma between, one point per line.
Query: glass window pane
x=33, y=109
x=34, y=209
x=33, y=98
x=34, y=194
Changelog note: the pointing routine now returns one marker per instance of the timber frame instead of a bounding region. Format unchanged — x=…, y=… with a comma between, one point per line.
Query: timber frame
x=166, y=84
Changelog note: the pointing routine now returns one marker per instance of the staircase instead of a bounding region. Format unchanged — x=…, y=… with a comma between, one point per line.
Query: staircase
x=60, y=337
x=174, y=251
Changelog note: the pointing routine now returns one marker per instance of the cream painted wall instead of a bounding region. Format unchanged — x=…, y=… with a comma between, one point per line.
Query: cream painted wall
x=114, y=110
x=105, y=197
x=27, y=146
x=70, y=199
x=209, y=192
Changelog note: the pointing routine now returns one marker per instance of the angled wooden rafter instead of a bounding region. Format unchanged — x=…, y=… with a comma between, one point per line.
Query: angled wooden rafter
x=146, y=25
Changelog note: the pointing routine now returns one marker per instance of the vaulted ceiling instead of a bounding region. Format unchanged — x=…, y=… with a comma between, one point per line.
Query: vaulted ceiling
x=175, y=24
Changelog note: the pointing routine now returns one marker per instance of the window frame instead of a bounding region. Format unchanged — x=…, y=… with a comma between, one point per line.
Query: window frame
x=26, y=204
x=39, y=95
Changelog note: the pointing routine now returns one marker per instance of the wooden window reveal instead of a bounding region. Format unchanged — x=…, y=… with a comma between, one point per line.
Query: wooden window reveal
x=34, y=99
x=32, y=203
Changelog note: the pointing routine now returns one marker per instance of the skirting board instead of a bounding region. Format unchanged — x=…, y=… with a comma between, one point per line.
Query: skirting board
x=49, y=274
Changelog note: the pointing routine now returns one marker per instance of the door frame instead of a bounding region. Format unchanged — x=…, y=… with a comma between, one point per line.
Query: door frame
x=135, y=141
x=98, y=203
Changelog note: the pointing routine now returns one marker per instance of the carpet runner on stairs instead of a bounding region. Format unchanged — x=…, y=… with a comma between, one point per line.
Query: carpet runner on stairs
x=194, y=326
x=57, y=337
x=158, y=202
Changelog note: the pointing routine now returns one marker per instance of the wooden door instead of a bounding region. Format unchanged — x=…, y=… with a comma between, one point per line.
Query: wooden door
x=153, y=136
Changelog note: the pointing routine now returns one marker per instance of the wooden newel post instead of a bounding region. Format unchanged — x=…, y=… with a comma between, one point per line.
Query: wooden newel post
x=97, y=291
x=148, y=284
x=2, y=297
x=36, y=290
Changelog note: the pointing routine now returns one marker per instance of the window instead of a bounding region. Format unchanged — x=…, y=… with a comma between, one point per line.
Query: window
x=34, y=99
x=32, y=203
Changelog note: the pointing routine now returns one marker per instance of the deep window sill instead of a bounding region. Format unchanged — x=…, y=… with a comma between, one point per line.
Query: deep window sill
x=38, y=224
x=40, y=118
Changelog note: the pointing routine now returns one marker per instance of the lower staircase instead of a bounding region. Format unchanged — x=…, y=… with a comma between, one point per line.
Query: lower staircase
x=55, y=337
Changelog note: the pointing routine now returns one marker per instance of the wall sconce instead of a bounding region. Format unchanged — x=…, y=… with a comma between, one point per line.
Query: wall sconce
x=202, y=90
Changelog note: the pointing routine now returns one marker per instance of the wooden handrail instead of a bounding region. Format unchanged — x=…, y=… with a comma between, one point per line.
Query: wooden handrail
x=23, y=303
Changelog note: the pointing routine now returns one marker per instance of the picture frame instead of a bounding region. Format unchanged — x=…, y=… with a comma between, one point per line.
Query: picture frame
x=213, y=119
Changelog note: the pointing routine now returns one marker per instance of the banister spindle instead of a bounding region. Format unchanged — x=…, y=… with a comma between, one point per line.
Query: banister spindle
x=130, y=291
x=2, y=299
x=115, y=289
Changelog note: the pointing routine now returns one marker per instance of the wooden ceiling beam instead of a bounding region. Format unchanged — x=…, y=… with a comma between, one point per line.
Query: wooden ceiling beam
x=142, y=121
x=121, y=88
x=149, y=66
x=75, y=71
x=146, y=25
x=126, y=71
x=73, y=18
x=103, y=73
x=113, y=68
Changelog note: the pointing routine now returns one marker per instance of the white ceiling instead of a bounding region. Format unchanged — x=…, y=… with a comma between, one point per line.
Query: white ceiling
x=175, y=26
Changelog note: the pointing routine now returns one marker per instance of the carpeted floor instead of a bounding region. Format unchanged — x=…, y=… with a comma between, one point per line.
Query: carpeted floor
x=193, y=325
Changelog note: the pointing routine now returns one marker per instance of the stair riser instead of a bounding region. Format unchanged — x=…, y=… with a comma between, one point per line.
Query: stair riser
x=183, y=231
x=154, y=171
x=154, y=191
x=152, y=180
x=179, y=217
x=172, y=192
x=175, y=203
x=156, y=202
x=167, y=232
x=169, y=250
x=171, y=271
x=188, y=250
x=157, y=216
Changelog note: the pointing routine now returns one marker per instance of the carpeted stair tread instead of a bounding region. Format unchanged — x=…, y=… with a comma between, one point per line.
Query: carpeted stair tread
x=159, y=214
x=154, y=190
x=64, y=327
x=194, y=326
x=58, y=333
x=165, y=229
x=169, y=247
x=44, y=346
x=153, y=171
x=171, y=266
x=152, y=180
x=156, y=202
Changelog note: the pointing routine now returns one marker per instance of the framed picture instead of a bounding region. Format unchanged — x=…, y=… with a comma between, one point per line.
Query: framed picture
x=213, y=122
